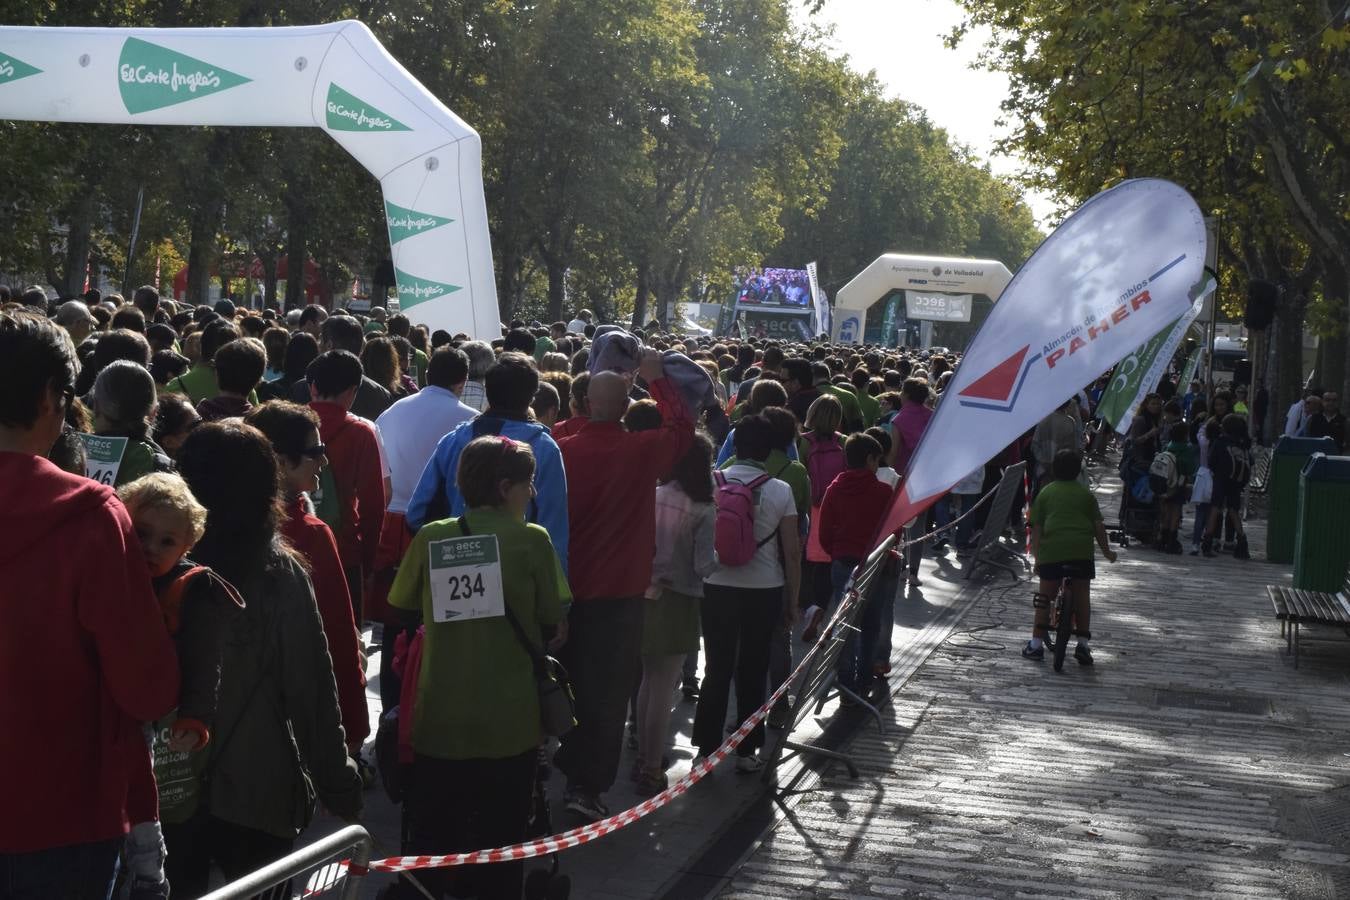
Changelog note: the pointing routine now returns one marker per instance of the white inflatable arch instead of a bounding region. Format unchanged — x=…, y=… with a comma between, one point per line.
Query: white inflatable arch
x=898, y=272
x=337, y=77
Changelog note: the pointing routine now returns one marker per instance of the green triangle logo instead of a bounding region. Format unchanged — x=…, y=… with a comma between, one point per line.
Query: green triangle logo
x=405, y=223
x=12, y=69
x=152, y=77
x=347, y=112
x=413, y=290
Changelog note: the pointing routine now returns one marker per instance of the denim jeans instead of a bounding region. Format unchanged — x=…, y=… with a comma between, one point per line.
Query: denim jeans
x=854, y=668
x=76, y=872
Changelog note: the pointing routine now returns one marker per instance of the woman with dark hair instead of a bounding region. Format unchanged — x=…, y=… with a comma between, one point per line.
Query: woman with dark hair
x=476, y=721
x=123, y=406
x=670, y=627
x=175, y=418
x=294, y=432
x=379, y=359
x=279, y=738
x=302, y=350
x=411, y=377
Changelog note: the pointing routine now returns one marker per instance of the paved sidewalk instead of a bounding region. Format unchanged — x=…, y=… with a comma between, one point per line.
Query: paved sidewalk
x=1192, y=760
x=685, y=850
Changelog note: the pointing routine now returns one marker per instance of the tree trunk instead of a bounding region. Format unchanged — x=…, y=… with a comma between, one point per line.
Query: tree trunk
x=78, y=246
x=1331, y=368
x=1287, y=339
x=202, y=249
x=269, y=268
x=557, y=287
x=297, y=251
x=643, y=291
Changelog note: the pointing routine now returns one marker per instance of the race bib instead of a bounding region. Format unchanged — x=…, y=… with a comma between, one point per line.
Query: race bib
x=177, y=776
x=466, y=579
x=103, y=457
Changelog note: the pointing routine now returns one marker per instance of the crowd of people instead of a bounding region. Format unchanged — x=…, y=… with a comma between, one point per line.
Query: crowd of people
x=281, y=482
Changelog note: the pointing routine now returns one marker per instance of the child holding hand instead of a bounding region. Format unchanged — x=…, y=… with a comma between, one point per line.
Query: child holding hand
x=196, y=604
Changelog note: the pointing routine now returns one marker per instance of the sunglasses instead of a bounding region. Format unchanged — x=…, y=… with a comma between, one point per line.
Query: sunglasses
x=314, y=452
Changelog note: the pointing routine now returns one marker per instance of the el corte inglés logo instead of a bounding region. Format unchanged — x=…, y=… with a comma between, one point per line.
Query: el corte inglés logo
x=12, y=69
x=413, y=290
x=152, y=77
x=405, y=223
x=350, y=113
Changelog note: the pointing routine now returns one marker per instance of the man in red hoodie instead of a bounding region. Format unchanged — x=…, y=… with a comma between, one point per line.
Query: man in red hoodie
x=855, y=504
x=84, y=653
x=353, y=450
x=611, y=509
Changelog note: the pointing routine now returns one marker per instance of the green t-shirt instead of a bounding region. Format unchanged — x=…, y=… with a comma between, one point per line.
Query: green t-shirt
x=420, y=362
x=1068, y=515
x=543, y=345
x=853, y=414
x=199, y=383
x=870, y=408
x=789, y=470
x=476, y=694
x=373, y=327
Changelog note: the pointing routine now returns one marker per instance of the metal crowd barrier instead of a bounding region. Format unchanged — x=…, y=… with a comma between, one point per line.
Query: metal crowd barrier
x=322, y=864
x=819, y=683
x=991, y=551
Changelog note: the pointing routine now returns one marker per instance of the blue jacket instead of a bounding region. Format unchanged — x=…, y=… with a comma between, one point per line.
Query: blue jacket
x=437, y=487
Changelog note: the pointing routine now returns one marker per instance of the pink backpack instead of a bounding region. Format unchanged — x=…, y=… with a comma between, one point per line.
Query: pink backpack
x=734, y=528
x=824, y=462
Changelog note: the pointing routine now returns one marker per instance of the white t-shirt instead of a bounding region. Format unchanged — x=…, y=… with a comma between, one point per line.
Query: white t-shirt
x=775, y=503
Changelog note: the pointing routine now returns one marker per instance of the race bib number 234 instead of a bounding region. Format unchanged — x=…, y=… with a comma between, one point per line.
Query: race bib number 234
x=466, y=578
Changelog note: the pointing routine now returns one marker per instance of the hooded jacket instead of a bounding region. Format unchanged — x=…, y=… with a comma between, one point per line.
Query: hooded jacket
x=851, y=513
x=437, y=495
x=84, y=656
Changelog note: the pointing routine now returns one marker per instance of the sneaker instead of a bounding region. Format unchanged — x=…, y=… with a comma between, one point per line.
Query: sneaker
x=778, y=719
x=588, y=806
x=748, y=765
x=1174, y=547
x=1195, y=549
x=1037, y=654
x=649, y=784
x=914, y=580
x=690, y=689
x=1083, y=655
x=1207, y=548
x=142, y=888
x=812, y=619
x=1241, y=551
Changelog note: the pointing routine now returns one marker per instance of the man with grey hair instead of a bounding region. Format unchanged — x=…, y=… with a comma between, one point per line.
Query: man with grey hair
x=481, y=357
x=76, y=319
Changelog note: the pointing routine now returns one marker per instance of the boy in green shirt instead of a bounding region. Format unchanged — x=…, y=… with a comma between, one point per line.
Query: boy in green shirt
x=1065, y=519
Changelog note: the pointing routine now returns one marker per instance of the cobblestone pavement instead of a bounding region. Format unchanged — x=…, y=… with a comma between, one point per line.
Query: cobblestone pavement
x=1193, y=760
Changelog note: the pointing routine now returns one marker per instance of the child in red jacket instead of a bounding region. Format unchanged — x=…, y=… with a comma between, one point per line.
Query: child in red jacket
x=855, y=504
x=196, y=604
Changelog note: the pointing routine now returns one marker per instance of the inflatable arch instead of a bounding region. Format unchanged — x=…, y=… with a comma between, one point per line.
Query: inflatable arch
x=894, y=271
x=337, y=77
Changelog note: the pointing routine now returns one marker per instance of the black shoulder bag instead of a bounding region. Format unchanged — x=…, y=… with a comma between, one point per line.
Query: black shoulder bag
x=557, y=707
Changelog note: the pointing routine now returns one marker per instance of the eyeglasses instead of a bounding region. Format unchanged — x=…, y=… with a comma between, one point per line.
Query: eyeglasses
x=314, y=452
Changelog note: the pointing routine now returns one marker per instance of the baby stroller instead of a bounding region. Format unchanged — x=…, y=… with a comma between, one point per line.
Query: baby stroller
x=1139, y=508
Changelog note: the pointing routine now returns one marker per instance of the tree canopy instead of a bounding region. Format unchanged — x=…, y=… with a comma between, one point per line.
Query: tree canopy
x=635, y=153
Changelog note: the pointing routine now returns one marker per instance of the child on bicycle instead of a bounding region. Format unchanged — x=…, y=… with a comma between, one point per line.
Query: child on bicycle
x=1064, y=520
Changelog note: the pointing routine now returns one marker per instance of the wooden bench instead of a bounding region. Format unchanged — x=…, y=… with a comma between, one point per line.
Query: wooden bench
x=1296, y=608
x=1259, y=483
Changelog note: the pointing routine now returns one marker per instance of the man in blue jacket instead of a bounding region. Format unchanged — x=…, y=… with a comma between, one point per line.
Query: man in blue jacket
x=511, y=384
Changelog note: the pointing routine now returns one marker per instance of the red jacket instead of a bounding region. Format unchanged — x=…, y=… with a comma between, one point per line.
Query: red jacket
x=354, y=455
x=314, y=541
x=84, y=657
x=568, y=427
x=851, y=513
x=611, y=497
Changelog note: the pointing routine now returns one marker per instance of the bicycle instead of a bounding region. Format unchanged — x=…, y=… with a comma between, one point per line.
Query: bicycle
x=1061, y=620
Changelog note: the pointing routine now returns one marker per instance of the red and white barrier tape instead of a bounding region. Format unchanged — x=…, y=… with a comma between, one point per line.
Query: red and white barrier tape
x=587, y=833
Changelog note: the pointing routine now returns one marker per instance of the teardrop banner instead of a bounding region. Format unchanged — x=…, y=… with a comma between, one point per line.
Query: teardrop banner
x=1122, y=268
x=336, y=77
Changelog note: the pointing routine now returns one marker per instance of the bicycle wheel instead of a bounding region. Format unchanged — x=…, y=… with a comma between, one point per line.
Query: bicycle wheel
x=1063, y=622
